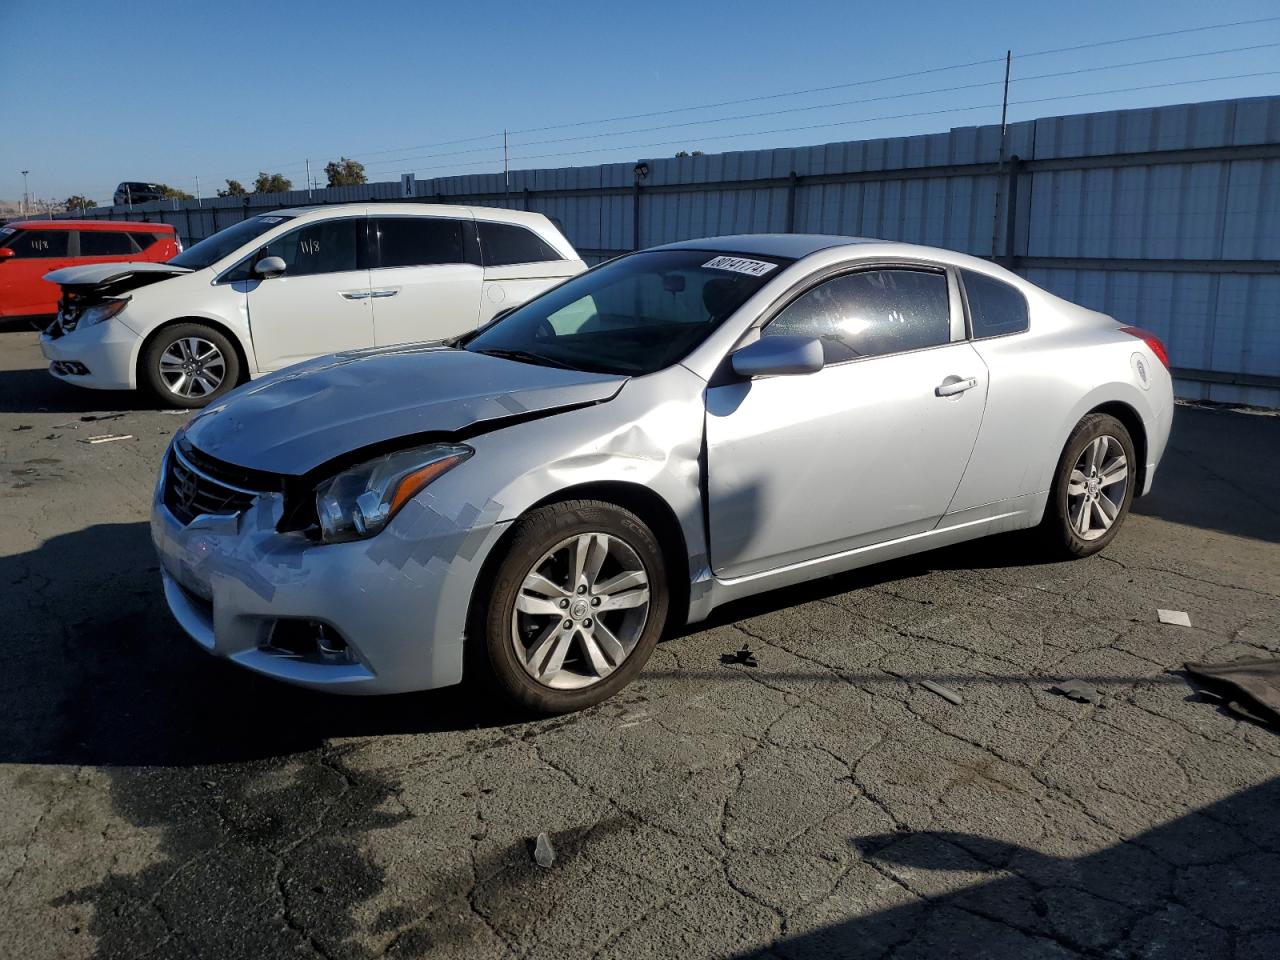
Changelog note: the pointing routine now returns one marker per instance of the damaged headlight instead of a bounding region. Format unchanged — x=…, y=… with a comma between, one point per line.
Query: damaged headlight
x=101, y=311
x=360, y=501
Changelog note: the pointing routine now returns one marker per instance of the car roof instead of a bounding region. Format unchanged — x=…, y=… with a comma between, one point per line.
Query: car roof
x=793, y=245
x=375, y=207
x=139, y=225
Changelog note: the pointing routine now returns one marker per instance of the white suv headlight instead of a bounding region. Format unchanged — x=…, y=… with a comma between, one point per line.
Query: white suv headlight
x=360, y=501
x=100, y=312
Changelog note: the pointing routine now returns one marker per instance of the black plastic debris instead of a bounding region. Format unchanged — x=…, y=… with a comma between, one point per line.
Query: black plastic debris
x=1077, y=690
x=21, y=427
x=1250, y=687
x=544, y=855
x=946, y=693
x=90, y=418
x=744, y=657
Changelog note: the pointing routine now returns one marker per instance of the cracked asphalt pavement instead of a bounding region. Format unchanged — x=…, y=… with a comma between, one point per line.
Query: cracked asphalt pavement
x=155, y=802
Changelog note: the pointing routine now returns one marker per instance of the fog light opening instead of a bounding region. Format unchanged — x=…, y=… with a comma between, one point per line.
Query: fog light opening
x=309, y=640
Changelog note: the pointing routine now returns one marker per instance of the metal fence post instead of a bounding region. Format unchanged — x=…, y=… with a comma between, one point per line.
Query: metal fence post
x=791, y=202
x=1011, y=213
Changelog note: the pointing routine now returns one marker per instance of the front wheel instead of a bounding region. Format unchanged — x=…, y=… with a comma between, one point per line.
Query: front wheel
x=190, y=365
x=1092, y=489
x=575, y=606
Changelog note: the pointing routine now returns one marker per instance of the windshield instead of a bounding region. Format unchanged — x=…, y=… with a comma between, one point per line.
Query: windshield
x=212, y=249
x=632, y=316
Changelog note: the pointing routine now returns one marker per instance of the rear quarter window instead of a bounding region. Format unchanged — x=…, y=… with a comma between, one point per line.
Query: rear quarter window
x=105, y=243
x=144, y=240
x=995, y=307
x=502, y=244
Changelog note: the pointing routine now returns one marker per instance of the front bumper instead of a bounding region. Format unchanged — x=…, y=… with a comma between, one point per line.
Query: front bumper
x=399, y=600
x=108, y=350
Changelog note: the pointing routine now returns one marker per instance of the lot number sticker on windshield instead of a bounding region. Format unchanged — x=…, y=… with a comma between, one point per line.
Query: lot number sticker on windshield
x=752, y=268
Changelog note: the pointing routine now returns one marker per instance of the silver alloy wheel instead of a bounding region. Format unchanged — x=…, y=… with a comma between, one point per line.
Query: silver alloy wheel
x=580, y=611
x=1097, y=487
x=192, y=367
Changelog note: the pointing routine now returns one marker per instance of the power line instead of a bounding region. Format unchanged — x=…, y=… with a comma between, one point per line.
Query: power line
x=899, y=76
x=765, y=97
x=901, y=116
x=845, y=103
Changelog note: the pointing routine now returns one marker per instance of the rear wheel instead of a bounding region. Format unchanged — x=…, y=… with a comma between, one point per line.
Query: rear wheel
x=190, y=365
x=574, y=608
x=1092, y=489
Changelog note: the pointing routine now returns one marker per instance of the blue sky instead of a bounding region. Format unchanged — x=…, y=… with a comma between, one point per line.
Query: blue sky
x=95, y=93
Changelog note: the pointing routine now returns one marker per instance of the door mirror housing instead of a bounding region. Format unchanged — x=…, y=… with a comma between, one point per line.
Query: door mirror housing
x=6, y=253
x=779, y=357
x=269, y=267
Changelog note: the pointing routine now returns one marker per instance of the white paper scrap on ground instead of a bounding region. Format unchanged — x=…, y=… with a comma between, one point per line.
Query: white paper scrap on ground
x=1178, y=618
x=543, y=853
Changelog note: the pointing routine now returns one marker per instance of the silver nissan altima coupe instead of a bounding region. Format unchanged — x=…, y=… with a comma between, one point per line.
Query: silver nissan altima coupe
x=677, y=428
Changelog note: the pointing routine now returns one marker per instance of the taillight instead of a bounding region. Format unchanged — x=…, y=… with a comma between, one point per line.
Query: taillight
x=1151, y=340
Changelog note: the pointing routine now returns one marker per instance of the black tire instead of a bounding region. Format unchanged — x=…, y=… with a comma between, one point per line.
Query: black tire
x=1059, y=536
x=493, y=650
x=169, y=337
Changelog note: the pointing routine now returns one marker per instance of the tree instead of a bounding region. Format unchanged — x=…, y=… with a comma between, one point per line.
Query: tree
x=173, y=193
x=234, y=189
x=680, y=154
x=272, y=183
x=345, y=172
x=78, y=202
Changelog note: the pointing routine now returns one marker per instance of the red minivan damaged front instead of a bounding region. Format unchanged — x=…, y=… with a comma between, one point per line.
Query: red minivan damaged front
x=29, y=249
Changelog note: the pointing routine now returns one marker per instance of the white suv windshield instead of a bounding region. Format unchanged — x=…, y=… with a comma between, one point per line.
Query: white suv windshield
x=212, y=249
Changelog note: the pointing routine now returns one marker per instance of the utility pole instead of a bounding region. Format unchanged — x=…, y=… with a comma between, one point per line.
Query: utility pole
x=308, y=178
x=506, y=168
x=1004, y=128
x=24, y=192
x=197, y=190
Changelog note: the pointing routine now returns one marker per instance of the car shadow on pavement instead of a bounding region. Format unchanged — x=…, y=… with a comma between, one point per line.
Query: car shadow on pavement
x=97, y=672
x=991, y=553
x=1202, y=885
x=38, y=391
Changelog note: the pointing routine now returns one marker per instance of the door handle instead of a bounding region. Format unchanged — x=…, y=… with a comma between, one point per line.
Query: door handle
x=954, y=387
x=377, y=294
x=354, y=294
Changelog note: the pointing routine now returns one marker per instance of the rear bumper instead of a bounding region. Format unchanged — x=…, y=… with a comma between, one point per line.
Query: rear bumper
x=109, y=351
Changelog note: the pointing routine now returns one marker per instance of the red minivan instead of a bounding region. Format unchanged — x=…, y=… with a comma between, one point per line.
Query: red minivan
x=31, y=248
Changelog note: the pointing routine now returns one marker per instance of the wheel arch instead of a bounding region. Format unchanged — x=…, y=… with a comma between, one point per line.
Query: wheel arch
x=649, y=506
x=241, y=353
x=1132, y=421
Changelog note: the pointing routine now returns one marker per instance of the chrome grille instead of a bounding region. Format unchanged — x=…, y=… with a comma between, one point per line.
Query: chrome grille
x=190, y=493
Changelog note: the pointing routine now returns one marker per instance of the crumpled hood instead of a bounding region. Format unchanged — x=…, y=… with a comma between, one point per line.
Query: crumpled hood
x=304, y=416
x=93, y=274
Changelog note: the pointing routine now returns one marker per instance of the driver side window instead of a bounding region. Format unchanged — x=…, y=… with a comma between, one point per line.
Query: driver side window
x=327, y=246
x=870, y=313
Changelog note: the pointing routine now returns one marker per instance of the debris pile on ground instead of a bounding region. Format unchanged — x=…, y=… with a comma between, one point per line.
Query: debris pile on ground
x=1249, y=687
x=743, y=656
x=946, y=693
x=1077, y=690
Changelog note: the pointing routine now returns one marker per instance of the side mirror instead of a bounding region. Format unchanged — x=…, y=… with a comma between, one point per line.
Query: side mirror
x=778, y=357
x=269, y=267
x=6, y=253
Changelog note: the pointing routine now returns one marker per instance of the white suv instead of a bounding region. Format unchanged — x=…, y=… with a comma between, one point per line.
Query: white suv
x=287, y=286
